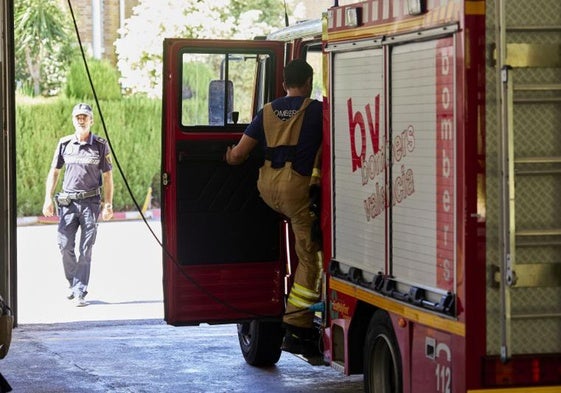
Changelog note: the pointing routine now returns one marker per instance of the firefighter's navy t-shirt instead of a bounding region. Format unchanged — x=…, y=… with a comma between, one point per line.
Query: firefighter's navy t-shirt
x=310, y=136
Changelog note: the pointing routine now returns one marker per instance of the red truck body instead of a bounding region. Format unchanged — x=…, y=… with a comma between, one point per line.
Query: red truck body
x=441, y=234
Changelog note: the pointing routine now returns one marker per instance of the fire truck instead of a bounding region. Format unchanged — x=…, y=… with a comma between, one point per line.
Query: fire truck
x=441, y=173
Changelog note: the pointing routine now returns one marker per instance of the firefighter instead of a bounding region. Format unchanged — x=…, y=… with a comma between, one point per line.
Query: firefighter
x=289, y=129
x=87, y=161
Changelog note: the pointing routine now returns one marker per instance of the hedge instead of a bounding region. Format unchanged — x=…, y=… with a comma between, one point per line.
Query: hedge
x=133, y=129
x=104, y=76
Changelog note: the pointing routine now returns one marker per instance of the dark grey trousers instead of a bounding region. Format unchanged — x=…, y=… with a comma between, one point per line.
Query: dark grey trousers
x=83, y=215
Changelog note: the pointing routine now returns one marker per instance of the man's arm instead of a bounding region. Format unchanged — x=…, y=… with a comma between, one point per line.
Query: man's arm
x=50, y=186
x=107, y=211
x=237, y=154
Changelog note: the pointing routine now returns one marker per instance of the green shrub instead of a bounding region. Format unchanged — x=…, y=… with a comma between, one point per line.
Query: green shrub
x=133, y=130
x=104, y=76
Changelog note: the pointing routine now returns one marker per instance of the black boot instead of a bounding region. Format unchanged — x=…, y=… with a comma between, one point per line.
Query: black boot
x=301, y=341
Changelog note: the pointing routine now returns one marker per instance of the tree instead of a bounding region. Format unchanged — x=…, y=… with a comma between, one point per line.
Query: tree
x=139, y=48
x=42, y=43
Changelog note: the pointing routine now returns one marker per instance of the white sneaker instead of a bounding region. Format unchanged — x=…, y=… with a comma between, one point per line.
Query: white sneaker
x=81, y=302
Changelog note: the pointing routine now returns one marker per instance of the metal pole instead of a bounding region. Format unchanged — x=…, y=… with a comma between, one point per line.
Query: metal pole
x=8, y=207
x=506, y=179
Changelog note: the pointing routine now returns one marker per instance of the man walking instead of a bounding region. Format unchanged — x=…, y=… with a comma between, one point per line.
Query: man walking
x=290, y=131
x=88, y=170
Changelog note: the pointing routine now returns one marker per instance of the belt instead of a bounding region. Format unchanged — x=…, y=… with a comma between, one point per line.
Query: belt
x=84, y=195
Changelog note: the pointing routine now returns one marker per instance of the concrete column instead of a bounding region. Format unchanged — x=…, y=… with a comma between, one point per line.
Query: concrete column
x=97, y=28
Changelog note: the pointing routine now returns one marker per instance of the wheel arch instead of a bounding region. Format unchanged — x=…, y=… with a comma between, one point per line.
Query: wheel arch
x=357, y=336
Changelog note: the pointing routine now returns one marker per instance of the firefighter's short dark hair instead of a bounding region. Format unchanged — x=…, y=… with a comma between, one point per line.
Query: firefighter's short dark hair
x=297, y=72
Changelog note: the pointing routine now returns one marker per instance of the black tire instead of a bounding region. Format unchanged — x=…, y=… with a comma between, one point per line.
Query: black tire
x=260, y=342
x=382, y=358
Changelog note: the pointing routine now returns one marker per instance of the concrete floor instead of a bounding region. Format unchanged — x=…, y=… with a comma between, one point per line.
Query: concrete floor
x=119, y=342
x=149, y=356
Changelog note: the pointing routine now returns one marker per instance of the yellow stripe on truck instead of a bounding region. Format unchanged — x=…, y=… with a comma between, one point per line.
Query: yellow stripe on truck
x=529, y=389
x=475, y=8
x=396, y=307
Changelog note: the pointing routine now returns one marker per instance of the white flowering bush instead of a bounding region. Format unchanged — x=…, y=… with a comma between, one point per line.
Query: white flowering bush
x=139, y=48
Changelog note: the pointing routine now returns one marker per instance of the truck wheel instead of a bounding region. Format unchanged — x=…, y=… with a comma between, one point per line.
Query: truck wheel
x=260, y=342
x=382, y=359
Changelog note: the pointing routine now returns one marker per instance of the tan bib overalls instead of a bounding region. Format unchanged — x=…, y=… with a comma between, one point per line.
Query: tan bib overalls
x=287, y=192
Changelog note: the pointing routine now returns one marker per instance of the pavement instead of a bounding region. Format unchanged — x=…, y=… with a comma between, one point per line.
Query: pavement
x=125, y=280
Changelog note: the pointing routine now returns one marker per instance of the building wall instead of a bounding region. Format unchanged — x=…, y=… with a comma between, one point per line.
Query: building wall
x=110, y=23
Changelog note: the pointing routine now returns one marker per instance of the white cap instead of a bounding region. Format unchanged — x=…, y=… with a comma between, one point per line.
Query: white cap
x=82, y=109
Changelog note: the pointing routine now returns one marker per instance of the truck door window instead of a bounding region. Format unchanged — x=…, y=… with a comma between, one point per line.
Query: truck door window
x=219, y=89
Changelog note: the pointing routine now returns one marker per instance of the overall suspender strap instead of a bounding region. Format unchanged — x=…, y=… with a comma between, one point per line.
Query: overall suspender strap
x=283, y=132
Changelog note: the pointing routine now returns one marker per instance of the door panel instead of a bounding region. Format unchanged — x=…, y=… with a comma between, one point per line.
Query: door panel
x=223, y=257
x=221, y=218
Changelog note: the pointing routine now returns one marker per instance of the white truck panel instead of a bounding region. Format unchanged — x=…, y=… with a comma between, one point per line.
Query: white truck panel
x=358, y=87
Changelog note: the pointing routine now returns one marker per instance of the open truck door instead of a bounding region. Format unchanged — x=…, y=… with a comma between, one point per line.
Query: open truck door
x=223, y=250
